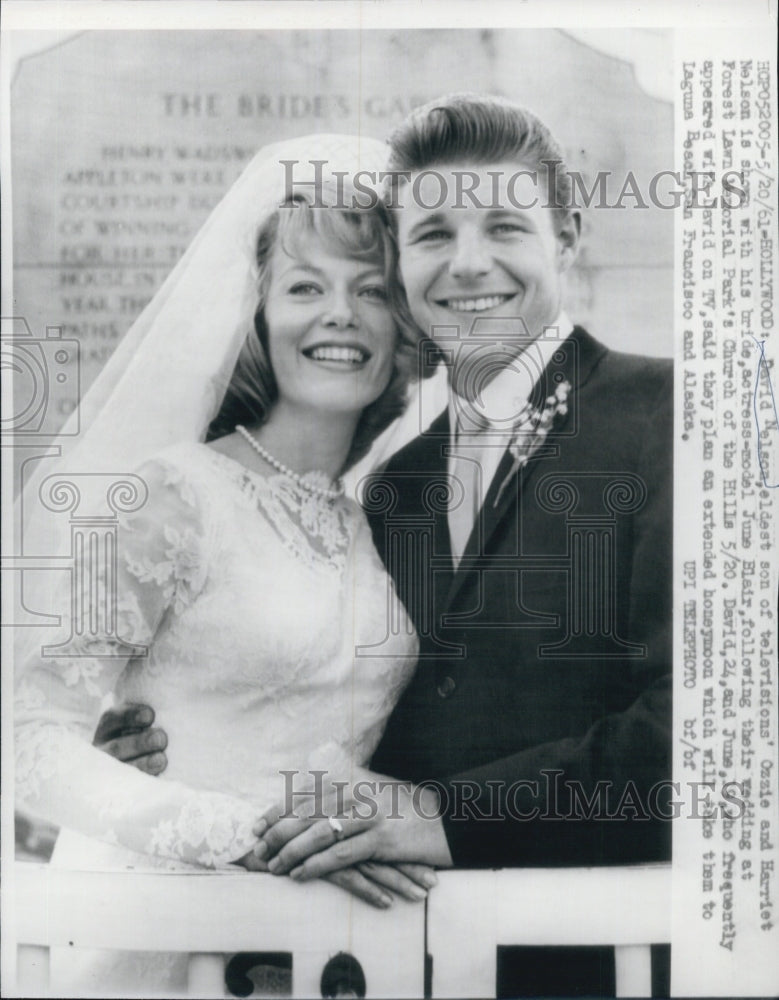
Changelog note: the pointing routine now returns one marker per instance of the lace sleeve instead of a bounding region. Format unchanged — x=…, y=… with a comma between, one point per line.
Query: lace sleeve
x=161, y=567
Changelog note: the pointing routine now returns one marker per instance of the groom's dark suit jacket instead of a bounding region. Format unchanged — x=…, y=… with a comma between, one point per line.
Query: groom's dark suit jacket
x=546, y=657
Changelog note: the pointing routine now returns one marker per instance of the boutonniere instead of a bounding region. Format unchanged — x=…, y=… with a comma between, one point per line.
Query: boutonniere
x=531, y=430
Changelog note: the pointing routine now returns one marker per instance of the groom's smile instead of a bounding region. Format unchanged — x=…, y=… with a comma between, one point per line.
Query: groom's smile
x=462, y=261
x=483, y=303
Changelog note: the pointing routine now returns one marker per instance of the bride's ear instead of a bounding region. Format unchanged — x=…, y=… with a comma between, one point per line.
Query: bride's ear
x=260, y=327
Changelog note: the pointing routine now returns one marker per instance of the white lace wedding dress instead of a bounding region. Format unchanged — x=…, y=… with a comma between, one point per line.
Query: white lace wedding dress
x=252, y=596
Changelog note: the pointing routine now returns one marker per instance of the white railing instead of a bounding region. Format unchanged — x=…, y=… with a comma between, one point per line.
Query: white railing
x=471, y=914
x=466, y=917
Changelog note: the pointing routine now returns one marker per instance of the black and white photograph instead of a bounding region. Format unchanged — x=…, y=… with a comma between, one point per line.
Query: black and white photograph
x=389, y=557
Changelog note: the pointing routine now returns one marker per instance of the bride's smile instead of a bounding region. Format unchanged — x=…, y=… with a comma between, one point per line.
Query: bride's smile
x=350, y=355
x=331, y=332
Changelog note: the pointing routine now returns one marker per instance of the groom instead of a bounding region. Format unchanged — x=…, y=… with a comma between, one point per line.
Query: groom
x=528, y=531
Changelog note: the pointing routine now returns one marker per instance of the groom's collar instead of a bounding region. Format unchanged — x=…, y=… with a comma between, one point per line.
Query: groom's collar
x=512, y=388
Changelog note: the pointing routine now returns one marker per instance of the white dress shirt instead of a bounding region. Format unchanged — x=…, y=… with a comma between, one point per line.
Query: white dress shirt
x=482, y=429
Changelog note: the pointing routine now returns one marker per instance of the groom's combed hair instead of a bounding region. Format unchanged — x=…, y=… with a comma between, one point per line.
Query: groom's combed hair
x=362, y=234
x=480, y=129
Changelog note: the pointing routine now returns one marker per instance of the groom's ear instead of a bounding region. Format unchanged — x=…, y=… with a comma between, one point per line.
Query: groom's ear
x=569, y=232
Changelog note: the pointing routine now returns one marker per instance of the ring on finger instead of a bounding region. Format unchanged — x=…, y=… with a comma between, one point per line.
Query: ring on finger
x=337, y=827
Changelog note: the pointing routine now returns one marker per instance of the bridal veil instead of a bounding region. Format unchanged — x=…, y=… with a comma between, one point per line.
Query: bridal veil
x=165, y=381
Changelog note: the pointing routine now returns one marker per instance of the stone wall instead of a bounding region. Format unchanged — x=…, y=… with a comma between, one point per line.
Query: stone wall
x=122, y=141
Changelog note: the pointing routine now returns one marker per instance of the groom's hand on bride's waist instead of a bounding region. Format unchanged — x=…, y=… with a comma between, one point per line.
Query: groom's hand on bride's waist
x=127, y=732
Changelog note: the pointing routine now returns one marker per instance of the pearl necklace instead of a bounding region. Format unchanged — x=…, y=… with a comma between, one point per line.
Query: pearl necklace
x=296, y=477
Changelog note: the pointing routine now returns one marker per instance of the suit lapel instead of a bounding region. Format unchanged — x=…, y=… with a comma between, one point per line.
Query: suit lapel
x=439, y=467
x=574, y=362
x=428, y=461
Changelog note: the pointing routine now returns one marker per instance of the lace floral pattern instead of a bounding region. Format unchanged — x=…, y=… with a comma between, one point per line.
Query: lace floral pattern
x=240, y=605
x=177, y=572
x=314, y=530
x=38, y=750
x=202, y=829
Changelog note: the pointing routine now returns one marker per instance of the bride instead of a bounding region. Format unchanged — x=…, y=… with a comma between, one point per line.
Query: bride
x=235, y=576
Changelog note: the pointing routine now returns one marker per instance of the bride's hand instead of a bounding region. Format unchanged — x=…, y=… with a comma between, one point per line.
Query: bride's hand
x=332, y=824
x=251, y=862
x=370, y=881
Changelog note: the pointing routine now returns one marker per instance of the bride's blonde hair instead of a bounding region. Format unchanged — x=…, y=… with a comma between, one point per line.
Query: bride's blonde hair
x=359, y=233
